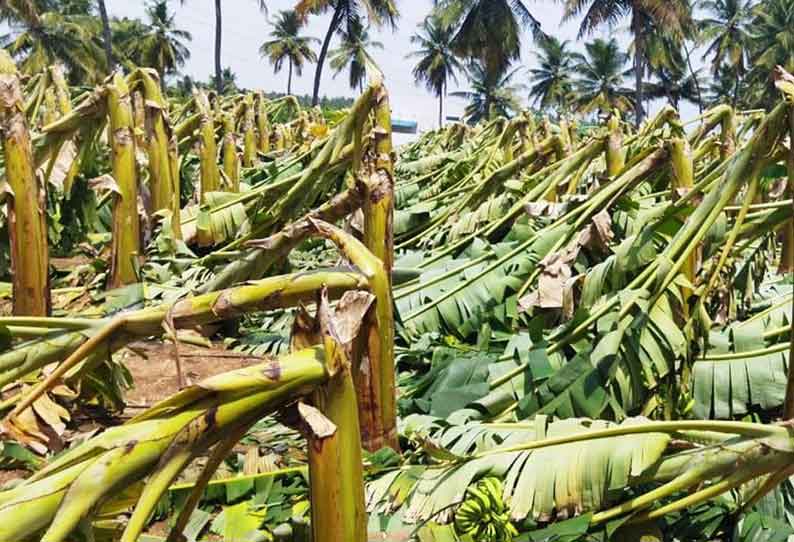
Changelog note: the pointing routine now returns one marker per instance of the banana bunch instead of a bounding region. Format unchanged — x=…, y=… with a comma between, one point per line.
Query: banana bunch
x=483, y=516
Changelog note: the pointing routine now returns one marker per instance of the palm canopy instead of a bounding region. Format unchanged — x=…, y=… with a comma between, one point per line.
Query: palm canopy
x=552, y=82
x=726, y=88
x=726, y=32
x=771, y=44
x=674, y=16
x=125, y=32
x=46, y=33
x=286, y=43
x=68, y=7
x=353, y=52
x=162, y=46
x=663, y=50
x=598, y=13
x=436, y=63
x=669, y=61
x=674, y=86
x=17, y=11
x=474, y=22
x=378, y=12
x=772, y=36
x=492, y=93
x=602, y=72
x=345, y=12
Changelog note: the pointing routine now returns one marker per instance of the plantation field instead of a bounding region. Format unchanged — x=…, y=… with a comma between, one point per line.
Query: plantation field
x=229, y=317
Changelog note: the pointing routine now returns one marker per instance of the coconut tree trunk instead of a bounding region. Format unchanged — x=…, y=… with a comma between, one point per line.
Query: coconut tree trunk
x=289, y=79
x=440, y=110
x=27, y=225
x=103, y=14
x=639, y=51
x=694, y=78
x=218, y=36
x=318, y=72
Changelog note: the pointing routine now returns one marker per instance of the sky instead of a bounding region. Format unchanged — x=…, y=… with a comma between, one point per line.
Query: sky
x=245, y=28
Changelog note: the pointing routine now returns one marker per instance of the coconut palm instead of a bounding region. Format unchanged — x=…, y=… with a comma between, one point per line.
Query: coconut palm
x=21, y=11
x=163, y=46
x=219, y=39
x=344, y=12
x=551, y=82
x=771, y=44
x=673, y=15
x=353, y=52
x=492, y=94
x=669, y=59
x=674, y=86
x=57, y=37
x=124, y=31
x=228, y=81
x=726, y=31
x=475, y=23
x=106, y=34
x=437, y=64
x=725, y=88
x=287, y=44
x=602, y=72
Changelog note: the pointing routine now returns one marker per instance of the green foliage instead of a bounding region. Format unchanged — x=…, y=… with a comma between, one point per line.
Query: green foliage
x=288, y=45
x=566, y=479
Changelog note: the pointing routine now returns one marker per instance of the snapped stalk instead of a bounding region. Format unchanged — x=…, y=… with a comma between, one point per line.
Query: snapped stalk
x=380, y=428
x=126, y=251
x=27, y=224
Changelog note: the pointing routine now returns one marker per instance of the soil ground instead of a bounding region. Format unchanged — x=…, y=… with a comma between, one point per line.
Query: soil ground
x=154, y=369
x=154, y=372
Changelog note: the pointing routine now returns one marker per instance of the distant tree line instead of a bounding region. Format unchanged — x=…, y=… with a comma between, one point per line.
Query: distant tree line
x=740, y=42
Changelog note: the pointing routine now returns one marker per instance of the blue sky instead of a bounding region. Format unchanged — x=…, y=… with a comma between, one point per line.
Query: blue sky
x=245, y=28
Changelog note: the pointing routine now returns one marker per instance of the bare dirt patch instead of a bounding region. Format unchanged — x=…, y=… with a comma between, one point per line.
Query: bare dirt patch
x=154, y=369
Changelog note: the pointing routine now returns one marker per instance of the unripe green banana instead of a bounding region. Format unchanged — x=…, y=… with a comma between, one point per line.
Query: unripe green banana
x=481, y=496
x=484, y=516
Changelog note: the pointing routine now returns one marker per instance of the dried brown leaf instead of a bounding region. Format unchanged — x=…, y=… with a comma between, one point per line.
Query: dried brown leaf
x=315, y=422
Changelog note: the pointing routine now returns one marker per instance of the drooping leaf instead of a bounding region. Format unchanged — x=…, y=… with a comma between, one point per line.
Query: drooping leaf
x=560, y=480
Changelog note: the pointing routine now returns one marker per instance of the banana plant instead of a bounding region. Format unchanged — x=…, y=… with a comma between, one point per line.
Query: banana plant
x=25, y=197
x=543, y=471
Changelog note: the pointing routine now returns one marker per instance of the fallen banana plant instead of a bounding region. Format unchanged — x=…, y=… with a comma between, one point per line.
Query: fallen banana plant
x=553, y=470
x=568, y=318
